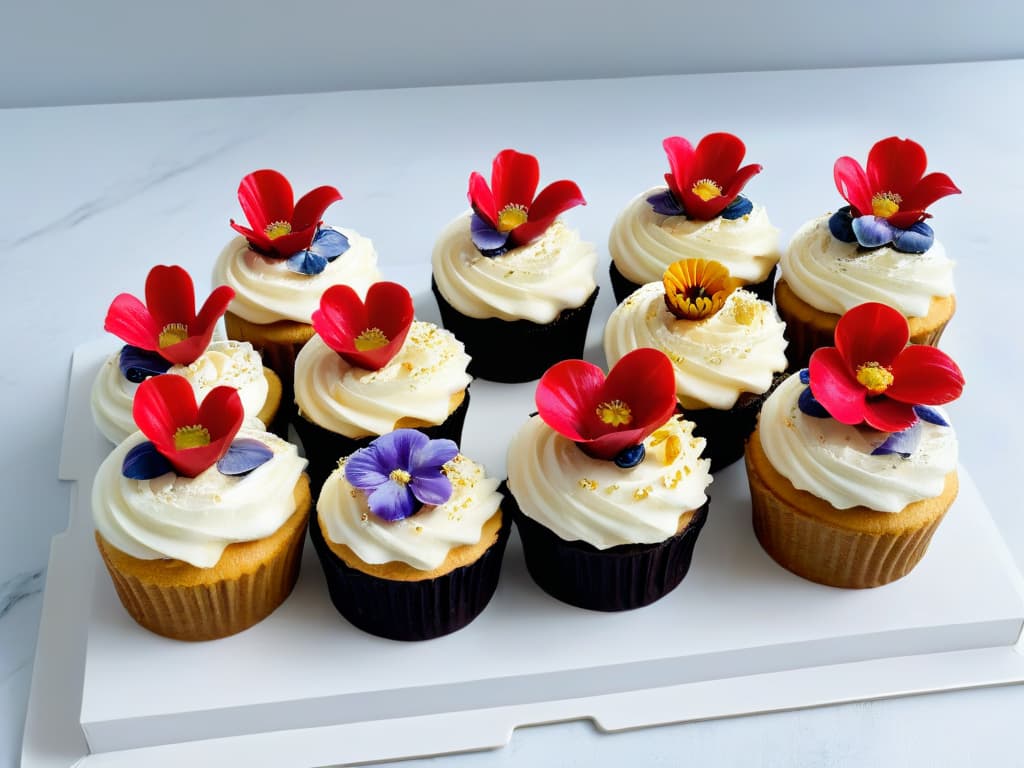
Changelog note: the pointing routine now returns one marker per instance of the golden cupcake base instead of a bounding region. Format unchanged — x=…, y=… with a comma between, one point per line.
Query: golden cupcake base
x=852, y=548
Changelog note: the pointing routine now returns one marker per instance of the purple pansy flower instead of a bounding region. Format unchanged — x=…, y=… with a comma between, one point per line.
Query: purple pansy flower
x=328, y=244
x=400, y=468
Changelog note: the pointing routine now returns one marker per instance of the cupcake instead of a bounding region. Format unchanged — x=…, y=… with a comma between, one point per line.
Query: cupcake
x=199, y=519
x=726, y=346
x=512, y=281
x=410, y=534
x=371, y=369
x=608, y=487
x=701, y=214
x=280, y=266
x=877, y=248
x=851, y=469
x=165, y=335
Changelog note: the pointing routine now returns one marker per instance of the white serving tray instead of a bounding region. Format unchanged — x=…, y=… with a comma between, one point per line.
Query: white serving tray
x=739, y=636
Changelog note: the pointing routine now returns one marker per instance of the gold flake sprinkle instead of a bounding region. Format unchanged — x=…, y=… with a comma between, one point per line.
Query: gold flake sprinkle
x=612, y=488
x=587, y=484
x=673, y=447
x=671, y=481
x=642, y=493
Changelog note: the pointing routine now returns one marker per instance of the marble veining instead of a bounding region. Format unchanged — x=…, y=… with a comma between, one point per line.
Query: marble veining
x=21, y=586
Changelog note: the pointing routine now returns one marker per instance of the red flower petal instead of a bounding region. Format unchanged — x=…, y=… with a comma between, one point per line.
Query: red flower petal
x=564, y=394
x=717, y=157
x=852, y=183
x=162, y=404
x=342, y=317
x=932, y=187
x=129, y=320
x=896, y=165
x=514, y=178
x=680, y=160
x=888, y=415
x=292, y=243
x=309, y=210
x=265, y=197
x=555, y=198
x=705, y=210
x=170, y=296
x=481, y=199
x=222, y=413
x=260, y=240
x=834, y=386
x=201, y=329
x=871, y=333
x=925, y=375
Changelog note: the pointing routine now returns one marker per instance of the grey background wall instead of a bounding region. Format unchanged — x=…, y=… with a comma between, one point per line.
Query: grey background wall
x=98, y=51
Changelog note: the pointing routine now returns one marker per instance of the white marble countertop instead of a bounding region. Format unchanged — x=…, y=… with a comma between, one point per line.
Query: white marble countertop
x=94, y=196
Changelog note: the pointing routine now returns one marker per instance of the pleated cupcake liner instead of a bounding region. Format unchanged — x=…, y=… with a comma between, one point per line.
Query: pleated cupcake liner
x=828, y=555
x=323, y=448
x=622, y=286
x=519, y=350
x=412, y=610
x=620, y=578
x=210, y=610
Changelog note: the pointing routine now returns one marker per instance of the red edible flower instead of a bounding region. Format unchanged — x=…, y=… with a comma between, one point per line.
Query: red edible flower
x=706, y=179
x=894, y=186
x=167, y=323
x=605, y=416
x=508, y=205
x=279, y=227
x=367, y=335
x=192, y=438
x=872, y=376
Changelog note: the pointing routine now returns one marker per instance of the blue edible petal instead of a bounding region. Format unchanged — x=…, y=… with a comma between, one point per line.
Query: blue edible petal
x=930, y=415
x=840, y=224
x=904, y=443
x=665, y=203
x=488, y=240
x=244, y=455
x=329, y=243
x=630, y=457
x=138, y=364
x=306, y=263
x=812, y=407
x=144, y=462
x=873, y=231
x=737, y=209
x=917, y=238
x=805, y=375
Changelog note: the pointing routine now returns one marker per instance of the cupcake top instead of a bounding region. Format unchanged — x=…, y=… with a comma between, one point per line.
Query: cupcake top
x=280, y=267
x=857, y=428
x=404, y=369
x=407, y=499
x=508, y=257
x=877, y=248
x=717, y=352
x=236, y=483
x=700, y=214
x=606, y=460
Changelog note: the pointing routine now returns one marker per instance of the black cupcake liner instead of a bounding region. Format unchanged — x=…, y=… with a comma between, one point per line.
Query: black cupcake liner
x=412, y=610
x=620, y=578
x=726, y=432
x=323, y=447
x=513, y=351
x=622, y=287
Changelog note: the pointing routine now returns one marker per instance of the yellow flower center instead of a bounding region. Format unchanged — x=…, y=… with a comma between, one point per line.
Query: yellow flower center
x=885, y=204
x=371, y=338
x=614, y=413
x=173, y=333
x=400, y=476
x=195, y=436
x=511, y=216
x=875, y=377
x=706, y=189
x=276, y=229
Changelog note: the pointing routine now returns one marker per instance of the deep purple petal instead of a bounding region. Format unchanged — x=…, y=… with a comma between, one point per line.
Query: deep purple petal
x=392, y=501
x=737, y=209
x=144, y=462
x=917, y=238
x=629, y=457
x=138, y=364
x=430, y=456
x=244, y=455
x=873, y=231
x=840, y=224
x=665, y=204
x=904, y=443
x=811, y=407
x=488, y=240
x=329, y=244
x=431, y=489
x=805, y=376
x=397, y=449
x=930, y=415
x=365, y=471
x=306, y=263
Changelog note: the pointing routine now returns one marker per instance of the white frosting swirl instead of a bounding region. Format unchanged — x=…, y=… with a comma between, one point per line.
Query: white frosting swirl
x=643, y=243
x=736, y=350
x=267, y=291
x=194, y=519
x=533, y=282
x=833, y=461
x=422, y=540
x=581, y=498
x=419, y=382
x=224, y=363
x=834, y=276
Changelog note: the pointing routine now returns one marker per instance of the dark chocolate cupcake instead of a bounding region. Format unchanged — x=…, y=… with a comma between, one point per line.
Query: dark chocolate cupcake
x=410, y=535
